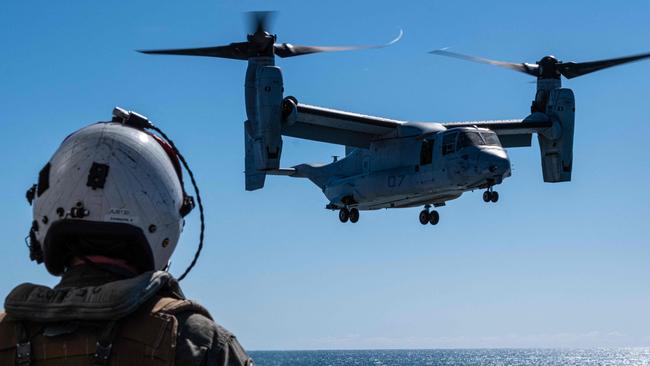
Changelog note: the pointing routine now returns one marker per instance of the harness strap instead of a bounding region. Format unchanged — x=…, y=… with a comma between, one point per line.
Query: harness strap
x=173, y=306
x=104, y=344
x=23, y=345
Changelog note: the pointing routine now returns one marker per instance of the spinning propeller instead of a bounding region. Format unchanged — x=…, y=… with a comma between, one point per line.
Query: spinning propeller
x=549, y=67
x=261, y=43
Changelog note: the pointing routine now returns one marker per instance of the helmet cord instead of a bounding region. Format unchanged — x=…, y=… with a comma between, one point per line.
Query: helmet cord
x=198, y=199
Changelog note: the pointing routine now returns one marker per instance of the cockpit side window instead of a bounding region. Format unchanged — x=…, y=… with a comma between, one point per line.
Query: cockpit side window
x=426, y=152
x=469, y=139
x=449, y=143
x=491, y=138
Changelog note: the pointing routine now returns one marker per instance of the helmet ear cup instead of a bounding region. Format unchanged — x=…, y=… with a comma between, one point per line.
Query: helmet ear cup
x=187, y=206
x=35, y=249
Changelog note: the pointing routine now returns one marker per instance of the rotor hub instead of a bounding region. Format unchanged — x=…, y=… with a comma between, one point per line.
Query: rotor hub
x=548, y=67
x=261, y=37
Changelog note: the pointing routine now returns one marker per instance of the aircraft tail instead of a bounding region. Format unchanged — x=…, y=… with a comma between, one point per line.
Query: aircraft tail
x=556, y=144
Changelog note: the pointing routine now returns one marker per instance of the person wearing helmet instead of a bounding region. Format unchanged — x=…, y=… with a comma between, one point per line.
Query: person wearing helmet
x=108, y=211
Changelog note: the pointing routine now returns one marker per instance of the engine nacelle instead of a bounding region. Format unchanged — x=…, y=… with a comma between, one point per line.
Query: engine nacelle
x=556, y=144
x=263, y=129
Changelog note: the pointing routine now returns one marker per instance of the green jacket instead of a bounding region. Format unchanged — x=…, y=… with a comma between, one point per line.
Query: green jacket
x=155, y=321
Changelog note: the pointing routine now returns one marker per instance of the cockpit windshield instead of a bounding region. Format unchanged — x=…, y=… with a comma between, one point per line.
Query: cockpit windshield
x=471, y=138
x=491, y=138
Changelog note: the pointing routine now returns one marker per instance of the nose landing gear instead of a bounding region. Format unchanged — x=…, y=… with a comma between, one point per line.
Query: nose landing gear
x=346, y=214
x=490, y=195
x=429, y=217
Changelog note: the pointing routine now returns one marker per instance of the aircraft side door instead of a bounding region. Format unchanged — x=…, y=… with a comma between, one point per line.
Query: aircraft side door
x=449, y=156
x=425, y=164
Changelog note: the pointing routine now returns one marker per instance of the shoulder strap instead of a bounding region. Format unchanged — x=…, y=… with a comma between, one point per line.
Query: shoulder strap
x=149, y=339
x=23, y=345
x=104, y=344
x=173, y=306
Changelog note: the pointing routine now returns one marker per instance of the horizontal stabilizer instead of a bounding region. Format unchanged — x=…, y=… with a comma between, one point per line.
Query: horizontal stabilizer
x=282, y=171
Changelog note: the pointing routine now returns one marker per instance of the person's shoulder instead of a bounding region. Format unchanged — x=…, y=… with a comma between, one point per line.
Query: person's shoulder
x=202, y=329
x=201, y=338
x=6, y=318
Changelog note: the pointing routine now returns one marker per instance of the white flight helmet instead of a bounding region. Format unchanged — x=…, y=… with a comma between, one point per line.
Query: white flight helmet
x=113, y=189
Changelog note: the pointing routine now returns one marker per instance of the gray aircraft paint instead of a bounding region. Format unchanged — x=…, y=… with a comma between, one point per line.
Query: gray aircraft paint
x=391, y=174
x=263, y=94
x=394, y=164
x=383, y=166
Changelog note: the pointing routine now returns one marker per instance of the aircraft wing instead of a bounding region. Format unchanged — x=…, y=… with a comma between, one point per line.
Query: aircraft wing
x=359, y=130
x=337, y=127
x=511, y=132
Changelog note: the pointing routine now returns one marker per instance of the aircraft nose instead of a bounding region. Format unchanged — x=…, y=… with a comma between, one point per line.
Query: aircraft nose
x=495, y=163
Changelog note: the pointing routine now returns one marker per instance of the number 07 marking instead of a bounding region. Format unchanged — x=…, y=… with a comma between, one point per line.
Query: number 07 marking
x=395, y=180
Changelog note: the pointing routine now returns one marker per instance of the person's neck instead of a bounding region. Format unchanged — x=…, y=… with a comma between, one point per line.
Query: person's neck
x=91, y=271
x=103, y=260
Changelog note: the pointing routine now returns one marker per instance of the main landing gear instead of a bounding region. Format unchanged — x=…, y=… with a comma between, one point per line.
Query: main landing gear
x=429, y=217
x=346, y=214
x=490, y=195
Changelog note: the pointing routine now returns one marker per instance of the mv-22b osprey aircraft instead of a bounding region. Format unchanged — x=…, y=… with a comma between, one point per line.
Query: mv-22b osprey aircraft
x=390, y=163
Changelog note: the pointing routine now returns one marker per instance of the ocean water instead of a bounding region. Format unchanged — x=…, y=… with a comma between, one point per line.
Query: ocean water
x=460, y=357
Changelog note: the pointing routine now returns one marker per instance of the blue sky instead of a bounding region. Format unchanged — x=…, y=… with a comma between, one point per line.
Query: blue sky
x=549, y=265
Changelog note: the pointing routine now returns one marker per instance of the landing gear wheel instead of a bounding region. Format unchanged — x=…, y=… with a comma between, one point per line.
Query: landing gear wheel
x=494, y=196
x=344, y=214
x=354, y=215
x=487, y=196
x=434, y=218
x=424, y=217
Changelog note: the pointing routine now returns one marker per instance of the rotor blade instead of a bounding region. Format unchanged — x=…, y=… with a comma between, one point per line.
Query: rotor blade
x=573, y=69
x=526, y=68
x=238, y=51
x=290, y=50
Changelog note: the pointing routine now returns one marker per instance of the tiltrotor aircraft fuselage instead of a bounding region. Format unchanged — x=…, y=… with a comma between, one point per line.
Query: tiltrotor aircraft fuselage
x=408, y=165
x=390, y=163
